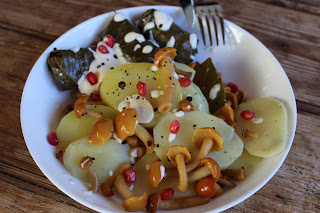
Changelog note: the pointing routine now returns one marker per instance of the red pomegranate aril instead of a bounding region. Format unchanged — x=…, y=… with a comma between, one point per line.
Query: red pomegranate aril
x=103, y=49
x=129, y=175
x=53, y=139
x=92, y=78
x=184, y=82
x=142, y=88
x=247, y=115
x=110, y=41
x=233, y=87
x=197, y=64
x=95, y=43
x=95, y=97
x=174, y=127
x=167, y=193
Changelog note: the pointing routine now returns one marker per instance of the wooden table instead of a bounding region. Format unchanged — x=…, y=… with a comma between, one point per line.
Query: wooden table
x=289, y=28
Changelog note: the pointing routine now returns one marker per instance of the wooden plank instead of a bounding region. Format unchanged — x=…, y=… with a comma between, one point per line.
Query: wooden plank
x=307, y=6
x=18, y=196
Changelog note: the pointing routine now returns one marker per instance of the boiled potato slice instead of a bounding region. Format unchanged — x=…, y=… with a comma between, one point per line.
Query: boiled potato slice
x=131, y=74
x=188, y=124
x=246, y=161
x=72, y=128
x=272, y=130
x=232, y=150
x=157, y=117
x=108, y=157
x=185, y=68
x=142, y=183
x=199, y=102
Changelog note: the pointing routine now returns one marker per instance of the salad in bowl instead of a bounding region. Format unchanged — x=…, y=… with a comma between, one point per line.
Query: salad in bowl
x=149, y=120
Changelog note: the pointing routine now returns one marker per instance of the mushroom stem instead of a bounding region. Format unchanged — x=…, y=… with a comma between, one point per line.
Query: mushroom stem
x=94, y=179
x=121, y=169
x=93, y=113
x=145, y=137
x=227, y=183
x=171, y=82
x=204, y=150
x=181, y=203
x=199, y=173
x=183, y=178
x=122, y=187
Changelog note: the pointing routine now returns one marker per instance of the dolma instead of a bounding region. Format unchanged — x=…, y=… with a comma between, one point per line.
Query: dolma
x=133, y=51
x=67, y=66
x=182, y=43
x=206, y=77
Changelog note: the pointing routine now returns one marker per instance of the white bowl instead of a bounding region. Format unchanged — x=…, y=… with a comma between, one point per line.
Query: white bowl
x=243, y=60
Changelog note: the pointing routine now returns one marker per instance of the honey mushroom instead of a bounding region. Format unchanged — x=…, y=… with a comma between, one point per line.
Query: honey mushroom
x=164, y=59
x=208, y=166
x=206, y=139
x=80, y=108
x=101, y=132
x=85, y=164
x=155, y=203
x=178, y=156
x=126, y=124
x=241, y=96
x=230, y=96
x=106, y=188
x=157, y=172
x=226, y=113
x=132, y=203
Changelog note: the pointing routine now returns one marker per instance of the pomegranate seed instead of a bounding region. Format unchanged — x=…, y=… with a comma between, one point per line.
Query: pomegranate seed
x=247, y=115
x=110, y=41
x=53, y=139
x=197, y=64
x=103, y=49
x=92, y=78
x=167, y=193
x=142, y=88
x=129, y=175
x=233, y=87
x=95, y=43
x=95, y=97
x=184, y=82
x=174, y=127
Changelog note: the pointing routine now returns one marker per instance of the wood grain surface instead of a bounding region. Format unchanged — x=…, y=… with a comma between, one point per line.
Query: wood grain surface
x=289, y=28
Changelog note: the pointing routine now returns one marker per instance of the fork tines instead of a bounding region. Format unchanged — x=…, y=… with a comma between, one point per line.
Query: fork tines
x=208, y=13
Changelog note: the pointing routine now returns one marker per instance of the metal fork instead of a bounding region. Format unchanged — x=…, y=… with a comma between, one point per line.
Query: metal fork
x=207, y=14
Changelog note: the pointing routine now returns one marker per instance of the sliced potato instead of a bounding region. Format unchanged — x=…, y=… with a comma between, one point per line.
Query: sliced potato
x=199, y=102
x=272, y=130
x=188, y=124
x=131, y=74
x=246, y=161
x=156, y=119
x=108, y=157
x=232, y=150
x=72, y=128
x=142, y=182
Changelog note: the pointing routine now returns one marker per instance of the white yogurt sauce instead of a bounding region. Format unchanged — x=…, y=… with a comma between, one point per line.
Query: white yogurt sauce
x=75, y=49
x=163, y=21
x=192, y=57
x=193, y=40
x=162, y=172
x=119, y=17
x=100, y=66
x=171, y=42
x=179, y=114
x=148, y=26
x=214, y=91
x=174, y=74
x=136, y=47
x=257, y=120
x=172, y=137
x=110, y=173
x=156, y=93
x=119, y=53
x=147, y=49
x=154, y=68
x=131, y=36
x=151, y=39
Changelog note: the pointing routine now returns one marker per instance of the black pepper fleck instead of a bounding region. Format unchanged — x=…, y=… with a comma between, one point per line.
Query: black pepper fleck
x=122, y=84
x=115, y=56
x=158, y=146
x=189, y=98
x=160, y=25
x=111, y=68
x=155, y=109
x=93, y=158
x=124, y=141
x=194, y=126
x=149, y=142
x=102, y=63
x=161, y=136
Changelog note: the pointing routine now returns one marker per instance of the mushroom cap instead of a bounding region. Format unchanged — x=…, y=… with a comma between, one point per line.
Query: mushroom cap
x=126, y=123
x=101, y=132
x=166, y=51
x=175, y=150
x=227, y=114
x=80, y=105
x=155, y=173
x=153, y=202
x=213, y=166
x=207, y=132
x=135, y=203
